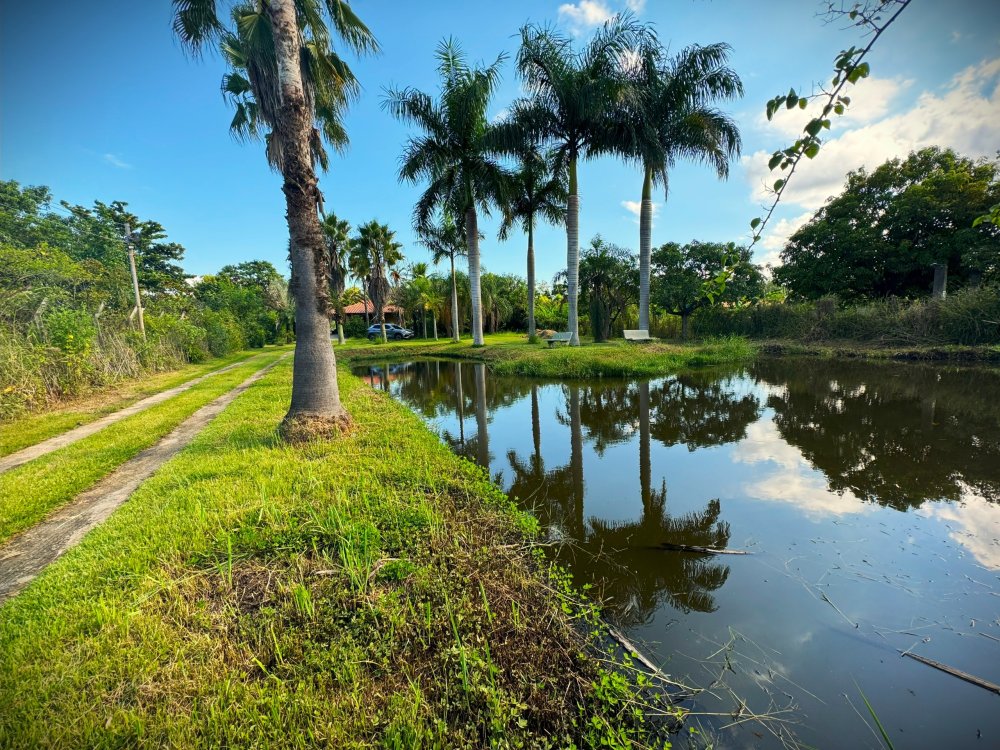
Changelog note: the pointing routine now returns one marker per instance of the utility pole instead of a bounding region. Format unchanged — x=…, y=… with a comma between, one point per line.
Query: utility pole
x=135, y=278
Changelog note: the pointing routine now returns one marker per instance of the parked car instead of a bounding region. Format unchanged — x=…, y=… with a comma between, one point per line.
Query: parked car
x=392, y=332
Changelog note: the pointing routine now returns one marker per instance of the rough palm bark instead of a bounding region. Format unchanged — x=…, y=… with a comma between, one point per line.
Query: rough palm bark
x=456, y=332
x=316, y=409
x=475, y=288
x=645, y=246
x=532, y=329
x=573, y=255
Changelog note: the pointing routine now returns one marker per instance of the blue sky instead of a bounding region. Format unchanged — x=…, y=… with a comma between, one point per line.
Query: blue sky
x=100, y=102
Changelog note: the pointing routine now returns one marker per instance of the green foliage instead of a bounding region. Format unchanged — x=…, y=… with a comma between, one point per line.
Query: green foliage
x=608, y=282
x=883, y=234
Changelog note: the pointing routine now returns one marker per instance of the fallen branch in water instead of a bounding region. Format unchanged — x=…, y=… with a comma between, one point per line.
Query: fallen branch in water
x=671, y=547
x=955, y=672
x=626, y=644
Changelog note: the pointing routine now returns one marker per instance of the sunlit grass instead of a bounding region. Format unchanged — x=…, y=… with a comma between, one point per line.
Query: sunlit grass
x=373, y=591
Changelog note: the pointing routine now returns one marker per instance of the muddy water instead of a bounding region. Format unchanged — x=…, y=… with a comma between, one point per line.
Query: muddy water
x=868, y=499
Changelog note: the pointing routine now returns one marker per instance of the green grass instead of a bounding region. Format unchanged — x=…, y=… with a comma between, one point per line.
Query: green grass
x=255, y=594
x=30, y=491
x=35, y=427
x=511, y=354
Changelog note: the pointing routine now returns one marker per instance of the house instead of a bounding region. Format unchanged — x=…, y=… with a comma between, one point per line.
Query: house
x=367, y=308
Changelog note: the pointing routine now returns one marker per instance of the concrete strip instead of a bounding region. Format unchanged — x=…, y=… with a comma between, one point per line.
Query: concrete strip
x=25, y=555
x=79, y=433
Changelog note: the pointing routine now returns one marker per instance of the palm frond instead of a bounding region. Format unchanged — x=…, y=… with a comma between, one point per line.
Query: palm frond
x=196, y=23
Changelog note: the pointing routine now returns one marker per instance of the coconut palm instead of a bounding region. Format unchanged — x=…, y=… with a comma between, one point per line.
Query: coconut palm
x=290, y=87
x=374, y=252
x=538, y=188
x=455, y=153
x=675, y=119
x=446, y=240
x=573, y=97
x=337, y=233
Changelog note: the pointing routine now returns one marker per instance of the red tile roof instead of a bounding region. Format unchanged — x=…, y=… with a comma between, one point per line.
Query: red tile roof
x=358, y=308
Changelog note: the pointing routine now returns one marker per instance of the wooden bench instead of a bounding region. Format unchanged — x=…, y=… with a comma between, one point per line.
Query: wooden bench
x=559, y=338
x=638, y=335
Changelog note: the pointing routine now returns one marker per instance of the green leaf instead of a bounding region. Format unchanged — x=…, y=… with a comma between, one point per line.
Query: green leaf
x=791, y=101
x=756, y=223
x=778, y=184
x=775, y=161
x=811, y=150
x=839, y=109
x=803, y=103
x=814, y=127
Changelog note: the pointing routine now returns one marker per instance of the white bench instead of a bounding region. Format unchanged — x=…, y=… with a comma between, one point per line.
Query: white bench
x=638, y=335
x=559, y=338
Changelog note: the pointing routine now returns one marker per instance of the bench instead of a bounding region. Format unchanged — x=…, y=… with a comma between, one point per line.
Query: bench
x=638, y=335
x=559, y=338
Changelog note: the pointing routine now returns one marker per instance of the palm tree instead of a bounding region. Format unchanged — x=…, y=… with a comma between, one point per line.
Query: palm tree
x=538, y=188
x=337, y=233
x=573, y=97
x=674, y=119
x=445, y=240
x=455, y=153
x=375, y=251
x=290, y=87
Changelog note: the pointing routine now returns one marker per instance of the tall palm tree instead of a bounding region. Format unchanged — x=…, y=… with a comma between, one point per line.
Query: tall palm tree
x=572, y=100
x=290, y=87
x=337, y=233
x=675, y=119
x=455, y=153
x=446, y=240
x=538, y=188
x=375, y=252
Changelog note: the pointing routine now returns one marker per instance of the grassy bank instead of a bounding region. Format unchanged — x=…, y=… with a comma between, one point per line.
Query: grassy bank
x=511, y=354
x=860, y=350
x=30, y=491
x=31, y=428
x=253, y=594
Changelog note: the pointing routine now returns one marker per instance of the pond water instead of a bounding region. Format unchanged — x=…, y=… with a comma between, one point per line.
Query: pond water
x=867, y=496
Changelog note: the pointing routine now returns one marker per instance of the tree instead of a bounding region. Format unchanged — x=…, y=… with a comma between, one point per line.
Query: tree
x=573, y=97
x=446, y=240
x=337, y=233
x=675, y=119
x=455, y=153
x=607, y=281
x=375, y=252
x=536, y=189
x=888, y=229
x=684, y=276
x=290, y=87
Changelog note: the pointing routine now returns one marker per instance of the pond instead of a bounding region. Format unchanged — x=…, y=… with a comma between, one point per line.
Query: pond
x=867, y=499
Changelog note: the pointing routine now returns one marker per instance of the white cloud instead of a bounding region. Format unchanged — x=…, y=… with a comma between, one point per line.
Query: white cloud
x=585, y=14
x=634, y=208
x=963, y=116
x=778, y=236
x=115, y=161
x=636, y=6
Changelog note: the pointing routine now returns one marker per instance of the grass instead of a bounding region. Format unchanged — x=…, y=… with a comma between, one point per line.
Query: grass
x=255, y=594
x=35, y=427
x=30, y=491
x=511, y=354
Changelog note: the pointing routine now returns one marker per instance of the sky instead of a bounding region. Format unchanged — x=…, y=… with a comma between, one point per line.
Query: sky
x=101, y=102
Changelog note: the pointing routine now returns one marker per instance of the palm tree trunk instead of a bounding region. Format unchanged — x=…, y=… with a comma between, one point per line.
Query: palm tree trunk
x=340, y=324
x=576, y=460
x=315, y=405
x=645, y=246
x=461, y=403
x=536, y=423
x=455, y=333
x=434, y=323
x=472, y=238
x=423, y=314
x=645, y=472
x=573, y=254
x=532, y=331
x=482, y=425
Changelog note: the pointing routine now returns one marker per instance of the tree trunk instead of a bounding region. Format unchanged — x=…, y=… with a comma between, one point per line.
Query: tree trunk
x=573, y=254
x=455, y=332
x=340, y=324
x=423, y=314
x=645, y=246
x=536, y=423
x=461, y=403
x=315, y=407
x=940, y=289
x=482, y=427
x=576, y=460
x=434, y=323
x=532, y=330
x=472, y=238
x=684, y=326
x=645, y=472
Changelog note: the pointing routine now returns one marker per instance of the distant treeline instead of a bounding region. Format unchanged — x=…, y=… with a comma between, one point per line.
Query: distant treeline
x=67, y=308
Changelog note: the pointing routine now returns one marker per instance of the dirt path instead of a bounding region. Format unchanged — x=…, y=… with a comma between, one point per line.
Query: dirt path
x=79, y=433
x=25, y=555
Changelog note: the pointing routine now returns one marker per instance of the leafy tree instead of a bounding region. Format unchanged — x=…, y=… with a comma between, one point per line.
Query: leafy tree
x=684, y=277
x=675, y=119
x=251, y=274
x=608, y=281
x=289, y=86
x=455, y=153
x=374, y=252
x=573, y=97
x=445, y=239
x=885, y=232
x=337, y=233
x=536, y=189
